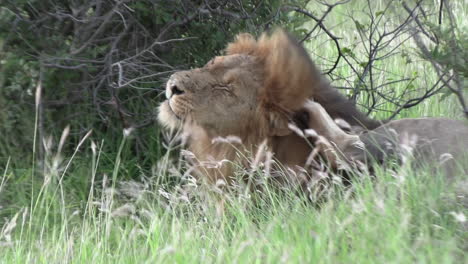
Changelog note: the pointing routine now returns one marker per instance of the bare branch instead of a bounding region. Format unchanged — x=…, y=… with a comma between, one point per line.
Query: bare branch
x=319, y=23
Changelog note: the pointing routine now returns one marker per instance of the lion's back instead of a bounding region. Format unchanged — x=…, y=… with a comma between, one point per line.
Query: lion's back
x=439, y=142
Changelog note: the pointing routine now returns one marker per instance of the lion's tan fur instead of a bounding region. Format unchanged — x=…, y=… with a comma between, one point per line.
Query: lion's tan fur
x=274, y=77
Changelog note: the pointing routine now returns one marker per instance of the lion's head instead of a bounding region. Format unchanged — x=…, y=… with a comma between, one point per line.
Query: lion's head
x=254, y=92
x=220, y=97
x=256, y=85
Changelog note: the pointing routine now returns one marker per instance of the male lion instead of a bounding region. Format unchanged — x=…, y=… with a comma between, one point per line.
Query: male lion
x=253, y=92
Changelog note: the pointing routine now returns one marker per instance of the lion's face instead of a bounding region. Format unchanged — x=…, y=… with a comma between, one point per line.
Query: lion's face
x=220, y=97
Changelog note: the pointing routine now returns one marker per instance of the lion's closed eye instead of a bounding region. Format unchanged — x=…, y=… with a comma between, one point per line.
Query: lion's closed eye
x=225, y=89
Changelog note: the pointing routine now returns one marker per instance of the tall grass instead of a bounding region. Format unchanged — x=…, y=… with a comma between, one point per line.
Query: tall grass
x=78, y=208
x=404, y=217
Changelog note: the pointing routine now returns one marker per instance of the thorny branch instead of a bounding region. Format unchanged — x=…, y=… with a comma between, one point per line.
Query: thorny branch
x=319, y=24
x=381, y=36
x=445, y=69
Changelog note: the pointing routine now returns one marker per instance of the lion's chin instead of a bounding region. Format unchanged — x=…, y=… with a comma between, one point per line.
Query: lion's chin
x=167, y=117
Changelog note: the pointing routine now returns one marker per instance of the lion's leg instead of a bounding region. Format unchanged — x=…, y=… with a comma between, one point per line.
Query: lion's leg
x=332, y=142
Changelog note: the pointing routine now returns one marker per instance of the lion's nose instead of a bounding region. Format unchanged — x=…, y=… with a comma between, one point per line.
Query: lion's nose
x=173, y=88
x=176, y=90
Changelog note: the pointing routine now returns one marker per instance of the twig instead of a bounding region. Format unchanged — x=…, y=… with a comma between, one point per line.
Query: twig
x=440, y=11
x=319, y=23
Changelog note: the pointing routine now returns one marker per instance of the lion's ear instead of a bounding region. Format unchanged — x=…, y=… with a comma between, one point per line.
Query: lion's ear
x=278, y=124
